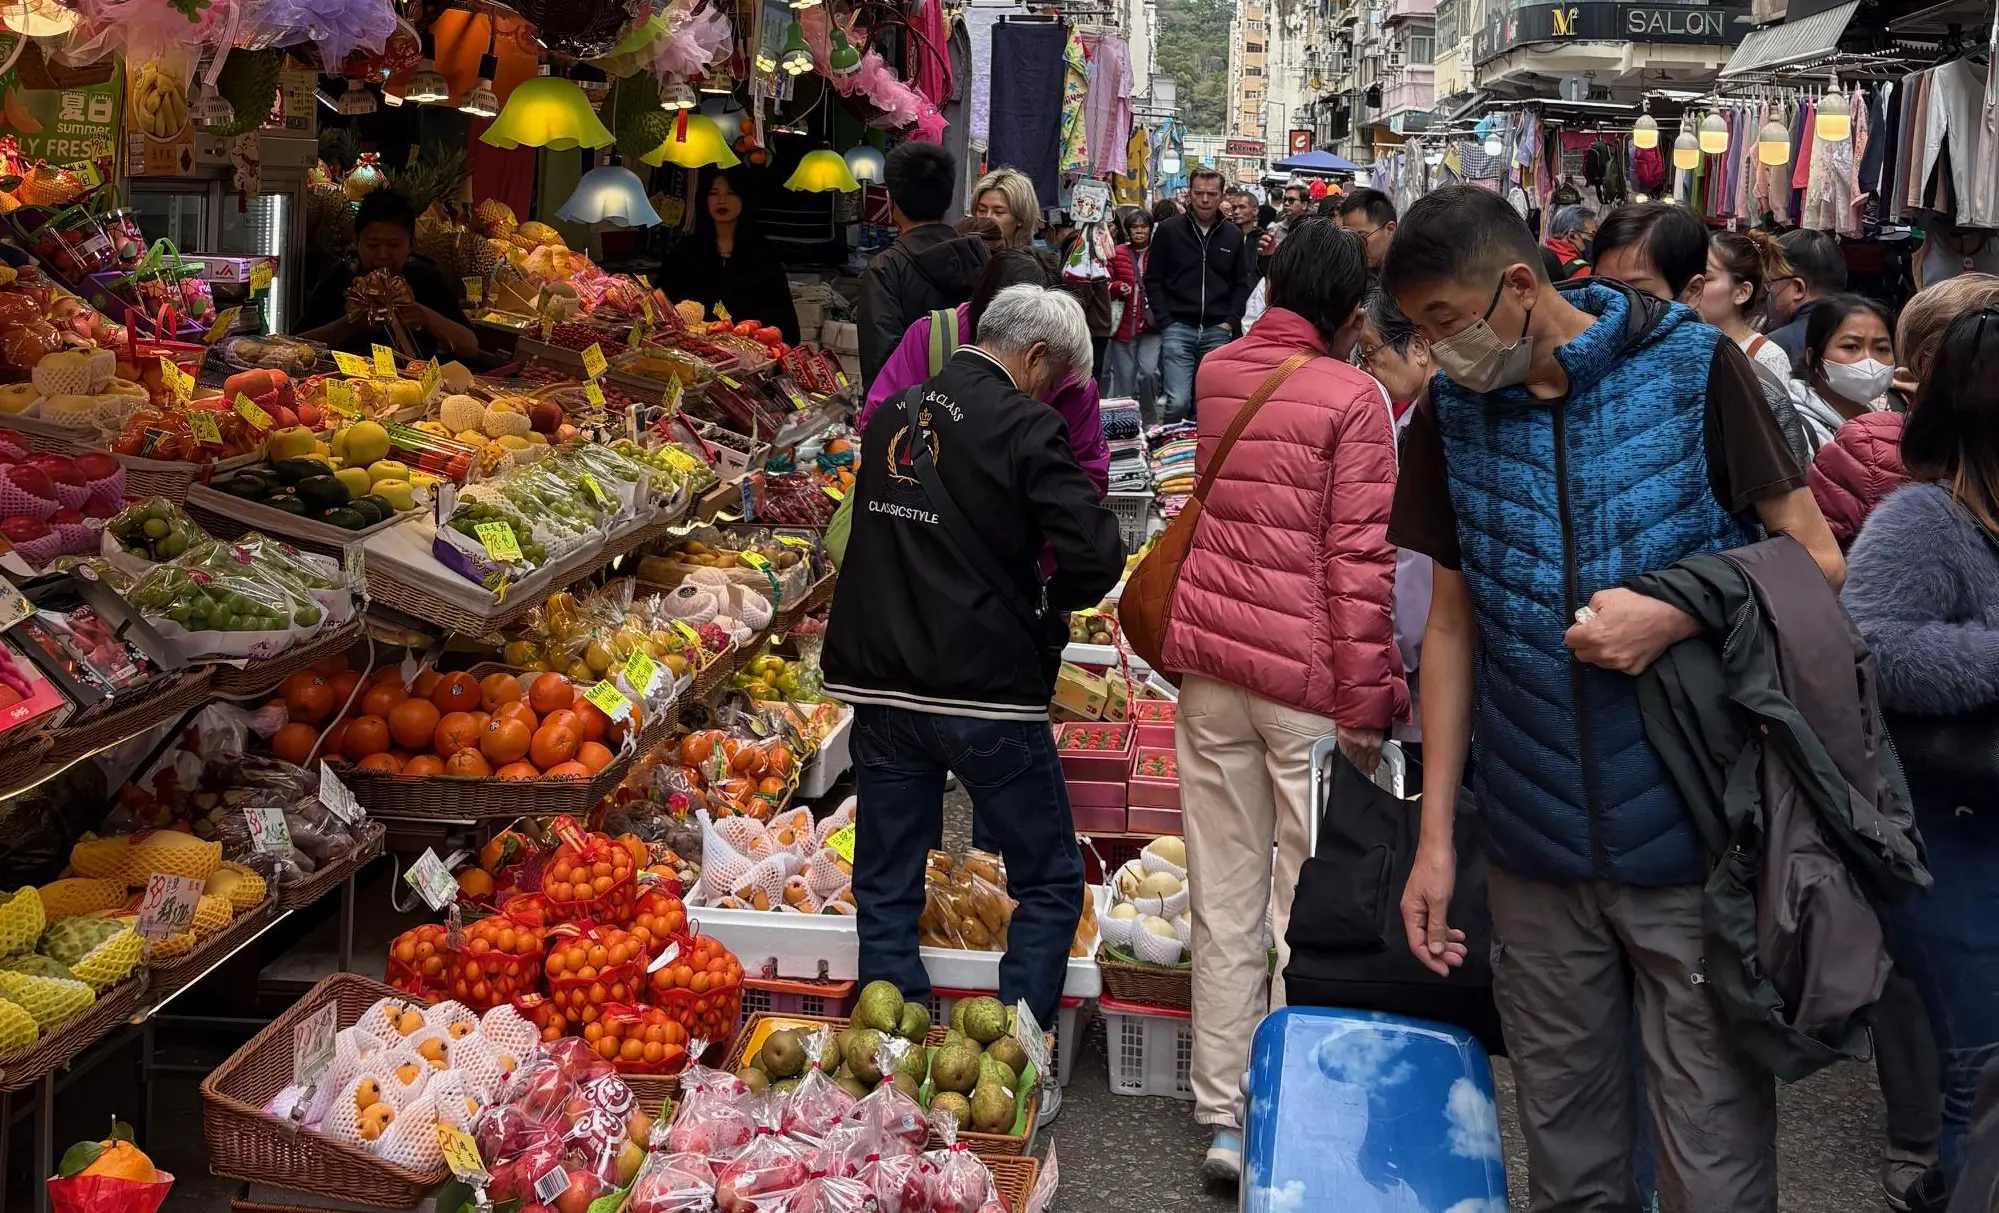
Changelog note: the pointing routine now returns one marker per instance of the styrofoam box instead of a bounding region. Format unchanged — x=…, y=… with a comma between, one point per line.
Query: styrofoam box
x=1150, y=1049
x=833, y=760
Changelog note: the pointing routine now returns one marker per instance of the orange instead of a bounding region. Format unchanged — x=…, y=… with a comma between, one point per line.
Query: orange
x=294, y=743
x=386, y=673
x=467, y=764
x=504, y=741
x=456, y=693
x=592, y=755
x=382, y=699
x=496, y=689
x=553, y=745
x=382, y=762
x=336, y=739
x=122, y=1160
x=476, y=882
x=327, y=667
x=549, y=692
x=593, y=722
x=455, y=731
x=777, y=760
x=343, y=685
x=634, y=722
x=695, y=748
x=771, y=787
x=514, y=770
x=568, y=770
x=367, y=735
x=563, y=716
x=424, y=764
x=413, y=722
x=518, y=710
x=425, y=684
x=308, y=697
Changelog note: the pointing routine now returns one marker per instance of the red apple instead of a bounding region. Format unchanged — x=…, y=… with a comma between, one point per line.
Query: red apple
x=544, y=418
x=8, y=458
x=71, y=517
x=96, y=465
x=22, y=530
x=102, y=507
x=32, y=480
x=309, y=415
x=59, y=468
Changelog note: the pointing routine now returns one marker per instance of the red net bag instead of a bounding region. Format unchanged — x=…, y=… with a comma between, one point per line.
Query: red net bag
x=638, y=1040
x=700, y=985
x=548, y=1020
x=496, y=959
x=417, y=962
x=658, y=915
x=587, y=878
x=589, y=967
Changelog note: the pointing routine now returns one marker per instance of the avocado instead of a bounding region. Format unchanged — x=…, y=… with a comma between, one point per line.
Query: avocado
x=321, y=492
x=291, y=471
x=252, y=486
x=346, y=519
x=374, y=509
x=286, y=503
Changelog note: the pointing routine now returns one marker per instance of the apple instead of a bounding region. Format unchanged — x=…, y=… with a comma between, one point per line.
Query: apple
x=23, y=530
x=102, y=507
x=68, y=517
x=96, y=465
x=59, y=468
x=544, y=418
x=32, y=480
x=8, y=458
x=583, y=1188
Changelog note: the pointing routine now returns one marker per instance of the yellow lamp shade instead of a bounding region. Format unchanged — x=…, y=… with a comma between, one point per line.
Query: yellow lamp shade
x=693, y=141
x=549, y=112
x=1714, y=135
x=1773, y=144
x=1686, y=151
x=821, y=171
x=1835, y=120
x=1645, y=131
x=38, y=18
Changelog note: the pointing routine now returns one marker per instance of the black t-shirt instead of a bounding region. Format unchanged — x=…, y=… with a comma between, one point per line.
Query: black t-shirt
x=1747, y=461
x=427, y=286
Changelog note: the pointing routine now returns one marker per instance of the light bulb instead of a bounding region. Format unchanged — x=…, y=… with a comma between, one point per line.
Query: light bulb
x=427, y=85
x=1835, y=120
x=797, y=57
x=677, y=95
x=866, y=163
x=1773, y=143
x=1714, y=135
x=1686, y=151
x=1645, y=132
x=1494, y=145
x=480, y=101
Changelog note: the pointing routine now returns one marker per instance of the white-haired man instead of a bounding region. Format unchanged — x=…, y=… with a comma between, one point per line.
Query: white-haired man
x=936, y=628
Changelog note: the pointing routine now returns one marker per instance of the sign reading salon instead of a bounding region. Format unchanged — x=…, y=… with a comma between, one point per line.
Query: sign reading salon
x=1609, y=21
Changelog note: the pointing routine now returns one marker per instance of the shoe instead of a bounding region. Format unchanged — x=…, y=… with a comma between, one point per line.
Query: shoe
x=1224, y=1161
x=1901, y=1171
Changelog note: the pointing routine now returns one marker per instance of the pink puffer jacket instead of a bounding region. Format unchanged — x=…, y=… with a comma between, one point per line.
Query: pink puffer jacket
x=1856, y=471
x=1287, y=590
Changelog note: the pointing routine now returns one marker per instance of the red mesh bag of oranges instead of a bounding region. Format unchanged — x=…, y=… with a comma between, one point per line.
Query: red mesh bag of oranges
x=587, y=878
x=700, y=986
x=590, y=966
x=417, y=962
x=547, y=1018
x=496, y=960
x=658, y=916
x=638, y=1039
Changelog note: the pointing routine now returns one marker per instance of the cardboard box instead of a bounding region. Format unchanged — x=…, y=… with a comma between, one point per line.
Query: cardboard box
x=1080, y=692
x=1151, y=792
x=1111, y=765
x=43, y=702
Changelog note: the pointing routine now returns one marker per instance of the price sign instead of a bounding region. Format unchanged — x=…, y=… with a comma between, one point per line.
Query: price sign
x=667, y=955
x=597, y=492
x=225, y=320
x=260, y=277
x=353, y=562
x=640, y=672
x=312, y=1044
x=340, y=396
x=385, y=361
x=268, y=831
x=593, y=393
x=609, y=700
x=1032, y=1040
x=431, y=375
x=687, y=632
x=475, y=289
x=202, y=422
x=841, y=842
x=338, y=797
x=354, y=366
x=461, y=1153
x=14, y=606
x=645, y=305
x=594, y=362
x=500, y=542
x=177, y=381
x=670, y=403
x=637, y=337
x=432, y=880
x=833, y=491
x=247, y=409
x=168, y=906
x=840, y=380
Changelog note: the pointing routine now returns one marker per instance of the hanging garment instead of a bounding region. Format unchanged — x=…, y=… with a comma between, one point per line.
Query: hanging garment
x=1801, y=165
x=1857, y=199
x=1134, y=176
x=1957, y=94
x=1075, y=157
x=1918, y=156
x=1981, y=205
x=1027, y=101
x=1879, y=143
x=980, y=22
x=1831, y=184
x=931, y=52
x=1107, y=112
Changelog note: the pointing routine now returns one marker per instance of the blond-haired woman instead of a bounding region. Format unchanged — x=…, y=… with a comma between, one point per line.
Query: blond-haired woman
x=1006, y=197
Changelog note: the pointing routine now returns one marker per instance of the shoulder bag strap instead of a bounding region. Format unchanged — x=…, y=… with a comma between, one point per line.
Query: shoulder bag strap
x=943, y=338
x=1749, y=351
x=1243, y=415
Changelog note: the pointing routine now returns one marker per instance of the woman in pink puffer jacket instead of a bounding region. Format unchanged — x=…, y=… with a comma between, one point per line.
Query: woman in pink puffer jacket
x=1281, y=624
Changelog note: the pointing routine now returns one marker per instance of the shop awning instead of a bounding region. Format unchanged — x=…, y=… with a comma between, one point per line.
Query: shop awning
x=1793, y=42
x=1316, y=162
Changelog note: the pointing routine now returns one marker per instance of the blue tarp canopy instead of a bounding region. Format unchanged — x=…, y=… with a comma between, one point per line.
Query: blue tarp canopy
x=1317, y=162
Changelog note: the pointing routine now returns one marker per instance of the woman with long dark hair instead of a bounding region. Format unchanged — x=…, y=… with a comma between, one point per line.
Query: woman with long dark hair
x=728, y=262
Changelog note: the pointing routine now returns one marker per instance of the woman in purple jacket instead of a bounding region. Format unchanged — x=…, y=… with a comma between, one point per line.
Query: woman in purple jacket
x=912, y=361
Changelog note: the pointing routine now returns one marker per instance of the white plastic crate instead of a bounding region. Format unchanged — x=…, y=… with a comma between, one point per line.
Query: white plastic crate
x=941, y=1002
x=834, y=759
x=1149, y=1049
x=1134, y=516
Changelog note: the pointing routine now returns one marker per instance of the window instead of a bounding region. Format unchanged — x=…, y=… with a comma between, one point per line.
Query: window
x=1254, y=48
x=1252, y=71
x=1422, y=48
x=1255, y=27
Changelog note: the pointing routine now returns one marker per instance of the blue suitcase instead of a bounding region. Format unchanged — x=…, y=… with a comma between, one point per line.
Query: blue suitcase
x=1360, y=1112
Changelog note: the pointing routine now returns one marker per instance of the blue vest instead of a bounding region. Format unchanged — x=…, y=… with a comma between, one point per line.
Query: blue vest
x=1556, y=500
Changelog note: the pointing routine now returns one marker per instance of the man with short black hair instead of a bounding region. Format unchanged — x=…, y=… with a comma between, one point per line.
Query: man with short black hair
x=1579, y=436
x=1819, y=270
x=1654, y=247
x=1371, y=213
x=930, y=266
x=1197, y=281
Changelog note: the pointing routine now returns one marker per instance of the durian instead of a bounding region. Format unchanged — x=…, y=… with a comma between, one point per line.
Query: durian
x=248, y=82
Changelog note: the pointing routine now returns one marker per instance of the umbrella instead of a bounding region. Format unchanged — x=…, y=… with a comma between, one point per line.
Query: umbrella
x=1317, y=162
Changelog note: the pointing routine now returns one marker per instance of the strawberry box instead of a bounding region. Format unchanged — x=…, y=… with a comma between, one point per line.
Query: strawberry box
x=1154, y=718
x=1096, y=752
x=1154, y=779
x=1097, y=807
x=1142, y=820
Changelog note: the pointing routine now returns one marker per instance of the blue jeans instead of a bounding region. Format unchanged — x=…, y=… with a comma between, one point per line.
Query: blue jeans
x=1014, y=777
x=1181, y=348
x=1133, y=370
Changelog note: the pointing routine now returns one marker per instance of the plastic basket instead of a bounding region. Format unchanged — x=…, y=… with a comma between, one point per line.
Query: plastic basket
x=784, y=996
x=1064, y=1060
x=1134, y=516
x=1149, y=1049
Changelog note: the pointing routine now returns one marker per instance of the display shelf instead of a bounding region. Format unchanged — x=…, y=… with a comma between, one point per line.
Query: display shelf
x=23, y=1068
x=263, y=677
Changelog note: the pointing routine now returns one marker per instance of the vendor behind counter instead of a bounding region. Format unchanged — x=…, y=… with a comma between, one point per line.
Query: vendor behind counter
x=384, y=237
x=728, y=261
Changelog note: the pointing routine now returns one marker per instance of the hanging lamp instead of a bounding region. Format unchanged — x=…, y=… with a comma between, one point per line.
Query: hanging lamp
x=1645, y=131
x=1773, y=143
x=843, y=59
x=1714, y=134
x=765, y=61
x=867, y=163
x=676, y=95
x=547, y=111
x=358, y=99
x=1686, y=150
x=1835, y=120
x=796, y=58
x=479, y=101
x=611, y=195
x=822, y=171
x=694, y=142
x=427, y=85
x=38, y=18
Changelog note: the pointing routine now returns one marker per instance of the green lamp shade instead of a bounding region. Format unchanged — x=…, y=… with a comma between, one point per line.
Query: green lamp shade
x=550, y=112
x=821, y=171
x=693, y=141
x=612, y=194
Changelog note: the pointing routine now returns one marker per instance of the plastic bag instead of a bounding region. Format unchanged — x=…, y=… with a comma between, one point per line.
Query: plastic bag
x=963, y=906
x=639, y=1040
x=817, y=1103
x=959, y=1182
x=770, y=1164
x=590, y=967
x=108, y=1194
x=587, y=878
x=716, y=1117
x=832, y=1194
x=897, y=1121
x=900, y=1182
x=672, y=1183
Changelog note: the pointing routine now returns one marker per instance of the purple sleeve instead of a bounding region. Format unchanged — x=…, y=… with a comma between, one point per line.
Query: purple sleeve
x=1077, y=402
x=904, y=369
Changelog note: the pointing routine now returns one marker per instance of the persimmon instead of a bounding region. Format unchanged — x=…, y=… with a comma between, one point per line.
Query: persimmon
x=455, y=731
x=308, y=697
x=456, y=693
x=496, y=689
x=336, y=738
x=366, y=735
x=593, y=755
x=343, y=685
x=413, y=722
x=424, y=764
x=518, y=710
x=515, y=770
x=504, y=741
x=553, y=745
x=294, y=743
x=382, y=699
x=381, y=762
x=567, y=770
x=549, y=692
x=468, y=764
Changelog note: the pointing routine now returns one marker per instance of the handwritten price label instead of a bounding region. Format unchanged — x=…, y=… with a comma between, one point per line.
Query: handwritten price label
x=202, y=422
x=312, y=1044
x=641, y=671
x=354, y=366
x=385, y=361
x=268, y=830
x=475, y=289
x=461, y=1153
x=432, y=374
x=593, y=393
x=609, y=700
x=841, y=843
x=500, y=542
x=168, y=907
x=432, y=880
x=337, y=796
x=260, y=276
x=224, y=322
x=594, y=362
x=832, y=492
x=177, y=381
x=247, y=409
x=340, y=397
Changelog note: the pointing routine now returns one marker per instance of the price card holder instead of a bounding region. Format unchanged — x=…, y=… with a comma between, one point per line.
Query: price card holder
x=461, y=1153
x=641, y=672
x=841, y=842
x=594, y=394
x=475, y=289
x=608, y=699
x=202, y=423
x=432, y=880
x=247, y=409
x=268, y=831
x=168, y=906
x=500, y=542
x=385, y=361
x=312, y=1044
x=338, y=797
x=353, y=365
x=594, y=362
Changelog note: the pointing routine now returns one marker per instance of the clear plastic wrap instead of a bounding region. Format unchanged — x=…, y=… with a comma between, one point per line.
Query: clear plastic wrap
x=959, y=1182
x=716, y=1116
x=817, y=1103
x=672, y=1183
x=772, y=1163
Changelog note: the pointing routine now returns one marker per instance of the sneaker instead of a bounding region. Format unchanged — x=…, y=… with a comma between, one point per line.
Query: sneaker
x=1901, y=1170
x=1224, y=1160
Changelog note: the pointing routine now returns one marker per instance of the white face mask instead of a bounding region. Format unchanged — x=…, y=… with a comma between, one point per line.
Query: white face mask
x=1474, y=358
x=1860, y=381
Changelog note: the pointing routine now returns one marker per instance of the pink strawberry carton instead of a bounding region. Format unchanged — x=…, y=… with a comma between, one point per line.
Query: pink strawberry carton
x=1154, y=822
x=1094, y=751
x=1154, y=779
x=1154, y=718
x=1097, y=807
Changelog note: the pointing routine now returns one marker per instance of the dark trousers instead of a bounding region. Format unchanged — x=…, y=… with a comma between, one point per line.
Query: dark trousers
x=1908, y=1067
x=1014, y=778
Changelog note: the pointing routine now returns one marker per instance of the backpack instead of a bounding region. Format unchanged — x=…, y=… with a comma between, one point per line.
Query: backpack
x=1648, y=169
x=1596, y=163
x=943, y=337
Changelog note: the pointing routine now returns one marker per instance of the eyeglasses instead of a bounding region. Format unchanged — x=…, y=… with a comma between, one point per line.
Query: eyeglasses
x=1365, y=357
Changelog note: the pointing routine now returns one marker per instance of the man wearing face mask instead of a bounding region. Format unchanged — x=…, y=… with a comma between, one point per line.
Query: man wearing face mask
x=1579, y=437
x=935, y=634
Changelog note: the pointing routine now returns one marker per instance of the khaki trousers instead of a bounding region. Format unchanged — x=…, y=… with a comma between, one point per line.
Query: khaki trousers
x=1245, y=776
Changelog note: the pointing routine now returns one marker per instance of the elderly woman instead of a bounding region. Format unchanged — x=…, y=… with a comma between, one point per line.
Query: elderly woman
x=936, y=635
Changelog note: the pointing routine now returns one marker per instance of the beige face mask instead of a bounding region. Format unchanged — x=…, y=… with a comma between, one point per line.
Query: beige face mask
x=1474, y=358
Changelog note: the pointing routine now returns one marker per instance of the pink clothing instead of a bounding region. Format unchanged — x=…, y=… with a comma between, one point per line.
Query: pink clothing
x=1857, y=471
x=1288, y=586
x=1075, y=400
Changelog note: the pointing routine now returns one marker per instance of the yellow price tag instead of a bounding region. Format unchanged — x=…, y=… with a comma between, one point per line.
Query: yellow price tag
x=593, y=393
x=177, y=381
x=609, y=700
x=671, y=402
x=755, y=560
x=354, y=366
x=260, y=276
x=499, y=540
x=461, y=1154
x=640, y=671
x=431, y=375
x=475, y=289
x=841, y=842
x=637, y=337
x=224, y=321
x=340, y=397
x=594, y=361
x=385, y=361
x=247, y=409
x=687, y=632
x=597, y=491
x=202, y=422
x=832, y=492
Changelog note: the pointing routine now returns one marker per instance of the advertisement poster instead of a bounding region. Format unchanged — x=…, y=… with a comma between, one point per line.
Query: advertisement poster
x=62, y=125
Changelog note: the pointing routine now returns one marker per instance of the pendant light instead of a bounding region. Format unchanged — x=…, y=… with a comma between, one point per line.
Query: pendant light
x=1645, y=131
x=547, y=111
x=843, y=59
x=718, y=83
x=694, y=142
x=796, y=58
x=822, y=171
x=427, y=85
x=38, y=18
x=765, y=61
x=611, y=195
x=1773, y=143
x=1835, y=120
x=676, y=95
x=1714, y=134
x=480, y=101
x=867, y=164
x=1686, y=150
x=802, y=5
x=357, y=100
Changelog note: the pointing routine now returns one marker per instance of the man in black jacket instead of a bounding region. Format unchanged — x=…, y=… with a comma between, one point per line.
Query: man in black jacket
x=1197, y=281
x=935, y=635
x=929, y=267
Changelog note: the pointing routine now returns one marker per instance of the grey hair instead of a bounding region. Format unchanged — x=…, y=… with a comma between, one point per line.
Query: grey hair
x=1569, y=220
x=1395, y=328
x=1021, y=315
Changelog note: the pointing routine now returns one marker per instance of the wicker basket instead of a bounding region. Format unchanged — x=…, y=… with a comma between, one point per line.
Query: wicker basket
x=244, y=1143
x=21, y=758
x=816, y=595
x=24, y=1068
x=227, y=517
x=113, y=720
x=170, y=977
x=1014, y=1177
x=1127, y=980
x=300, y=894
x=715, y=673
x=415, y=602
x=262, y=677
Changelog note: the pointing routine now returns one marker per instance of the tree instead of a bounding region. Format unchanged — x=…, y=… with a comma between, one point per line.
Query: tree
x=1194, y=40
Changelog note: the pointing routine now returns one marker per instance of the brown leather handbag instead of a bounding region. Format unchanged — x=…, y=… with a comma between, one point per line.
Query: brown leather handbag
x=1146, y=606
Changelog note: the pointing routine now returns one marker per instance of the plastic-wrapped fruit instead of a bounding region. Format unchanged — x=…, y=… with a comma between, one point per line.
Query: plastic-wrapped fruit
x=240, y=885
x=99, y=952
x=211, y=914
x=51, y=1000
x=132, y=859
x=17, y=1028
x=21, y=920
x=701, y=988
